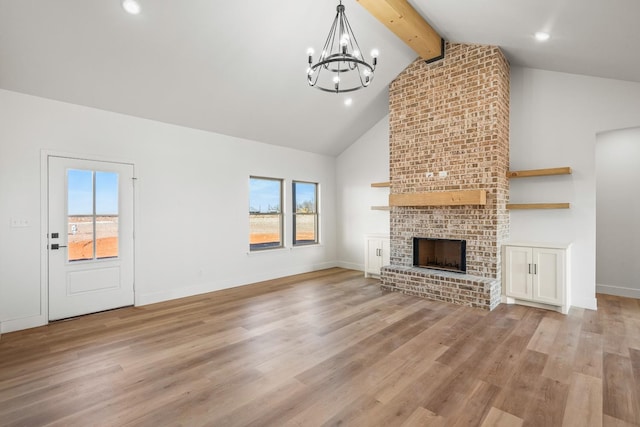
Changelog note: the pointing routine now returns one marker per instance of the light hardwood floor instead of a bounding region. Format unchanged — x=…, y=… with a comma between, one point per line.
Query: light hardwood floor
x=326, y=348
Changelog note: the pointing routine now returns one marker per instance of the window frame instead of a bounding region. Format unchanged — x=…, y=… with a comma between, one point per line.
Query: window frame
x=255, y=247
x=96, y=256
x=315, y=213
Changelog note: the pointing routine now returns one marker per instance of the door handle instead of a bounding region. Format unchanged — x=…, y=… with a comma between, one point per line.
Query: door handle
x=55, y=246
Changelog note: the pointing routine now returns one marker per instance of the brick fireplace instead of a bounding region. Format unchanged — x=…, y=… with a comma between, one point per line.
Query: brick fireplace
x=451, y=116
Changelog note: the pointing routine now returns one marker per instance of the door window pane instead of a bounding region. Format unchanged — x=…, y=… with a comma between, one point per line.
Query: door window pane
x=79, y=214
x=265, y=213
x=106, y=215
x=305, y=213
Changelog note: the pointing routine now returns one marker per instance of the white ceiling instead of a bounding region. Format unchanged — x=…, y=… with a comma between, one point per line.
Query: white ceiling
x=238, y=67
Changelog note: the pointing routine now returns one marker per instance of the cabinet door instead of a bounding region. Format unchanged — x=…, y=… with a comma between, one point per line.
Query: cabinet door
x=372, y=256
x=386, y=252
x=518, y=279
x=549, y=278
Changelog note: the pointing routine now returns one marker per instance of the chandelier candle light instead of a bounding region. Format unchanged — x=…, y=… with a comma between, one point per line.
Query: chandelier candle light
x=341, y=67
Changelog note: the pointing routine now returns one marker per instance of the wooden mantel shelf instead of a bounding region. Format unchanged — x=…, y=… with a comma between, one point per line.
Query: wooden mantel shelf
x=539, y=172
x=381, y=184
x=439, y=198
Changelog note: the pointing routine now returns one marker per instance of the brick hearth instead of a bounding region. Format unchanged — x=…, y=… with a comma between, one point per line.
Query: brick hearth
x=451, y=116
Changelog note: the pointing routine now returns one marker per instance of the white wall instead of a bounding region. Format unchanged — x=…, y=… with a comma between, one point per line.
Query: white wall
x=618, y=212
x=554, y=121
x=192, y=193
x=198, y=178
x=364, y=162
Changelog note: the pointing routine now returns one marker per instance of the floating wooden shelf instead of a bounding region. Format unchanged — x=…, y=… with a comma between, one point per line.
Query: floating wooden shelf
x=439, y=198
x=538, y=205
x=539, y=172
x=380, y=208
x=381, y=184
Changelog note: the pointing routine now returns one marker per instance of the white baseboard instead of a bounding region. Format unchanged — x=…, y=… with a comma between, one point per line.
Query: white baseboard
x=509, y=300
x=13, y=325
x=203, y=288
x=618, y=291
x=350, y=265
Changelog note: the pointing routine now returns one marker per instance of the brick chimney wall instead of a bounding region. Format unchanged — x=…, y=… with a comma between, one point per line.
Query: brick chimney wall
x=452, y=116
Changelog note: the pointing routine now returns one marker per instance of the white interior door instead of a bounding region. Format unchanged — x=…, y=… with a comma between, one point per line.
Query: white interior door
x=90, y=234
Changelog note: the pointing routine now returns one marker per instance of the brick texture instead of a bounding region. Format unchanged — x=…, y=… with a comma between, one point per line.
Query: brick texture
x=453, y=116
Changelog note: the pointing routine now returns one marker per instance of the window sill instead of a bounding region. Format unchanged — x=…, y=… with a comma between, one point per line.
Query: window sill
x=268, y=251
x=285, y=249
x=315, y=245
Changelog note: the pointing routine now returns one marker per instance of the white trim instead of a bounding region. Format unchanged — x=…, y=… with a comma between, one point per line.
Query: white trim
x=547, y=245
x=44, y=241
x=620, y=291
x=23, y=323
x=308, y=245
x=351, y=265
x=377, y=235
x=283, y=249
x=510, y=300
x=43, y=317
x=202, y=288
x=80, y=156
x=269, y=251
x=592, y=304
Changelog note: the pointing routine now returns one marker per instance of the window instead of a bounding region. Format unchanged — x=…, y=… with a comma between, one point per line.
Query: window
x=265, y=213
x=305, y=213
x=92, y=214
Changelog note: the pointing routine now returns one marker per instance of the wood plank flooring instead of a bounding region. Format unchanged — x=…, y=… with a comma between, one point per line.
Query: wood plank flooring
x=325, y=349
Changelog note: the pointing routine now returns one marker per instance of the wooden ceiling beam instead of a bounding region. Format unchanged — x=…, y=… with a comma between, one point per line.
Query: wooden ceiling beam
x=405, y=22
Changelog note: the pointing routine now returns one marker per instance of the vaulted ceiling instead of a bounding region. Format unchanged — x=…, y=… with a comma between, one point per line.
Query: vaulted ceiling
x=238, y=67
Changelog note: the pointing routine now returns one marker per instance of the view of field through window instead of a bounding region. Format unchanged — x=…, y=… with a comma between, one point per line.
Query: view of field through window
x=265, y=213
x=305, y=224
x=92, y=214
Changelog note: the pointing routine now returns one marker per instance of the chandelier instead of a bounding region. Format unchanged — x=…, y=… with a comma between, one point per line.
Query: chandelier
x=341, y=67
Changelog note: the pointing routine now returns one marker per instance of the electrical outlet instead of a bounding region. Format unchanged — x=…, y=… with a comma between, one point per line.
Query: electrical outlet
x=19, y=222
x=442, y=174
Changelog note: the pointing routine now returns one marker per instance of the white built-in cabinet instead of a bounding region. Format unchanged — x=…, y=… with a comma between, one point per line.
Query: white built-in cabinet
x=537, y=274
x=376, y=253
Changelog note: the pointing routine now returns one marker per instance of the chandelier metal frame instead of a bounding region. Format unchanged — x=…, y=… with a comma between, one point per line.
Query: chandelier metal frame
x=341, y=56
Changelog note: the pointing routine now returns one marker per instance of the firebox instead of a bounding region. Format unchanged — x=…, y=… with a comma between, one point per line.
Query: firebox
x=440, y=254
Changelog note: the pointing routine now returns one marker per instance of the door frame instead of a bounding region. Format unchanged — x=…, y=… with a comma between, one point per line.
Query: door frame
x=44, y=223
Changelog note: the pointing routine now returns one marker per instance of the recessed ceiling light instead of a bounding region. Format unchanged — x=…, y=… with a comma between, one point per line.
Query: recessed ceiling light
x=131, y=6
x=348, y=102
x=541, y=36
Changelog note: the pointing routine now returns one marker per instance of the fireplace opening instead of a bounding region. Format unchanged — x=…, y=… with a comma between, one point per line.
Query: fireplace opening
x=440, y=254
